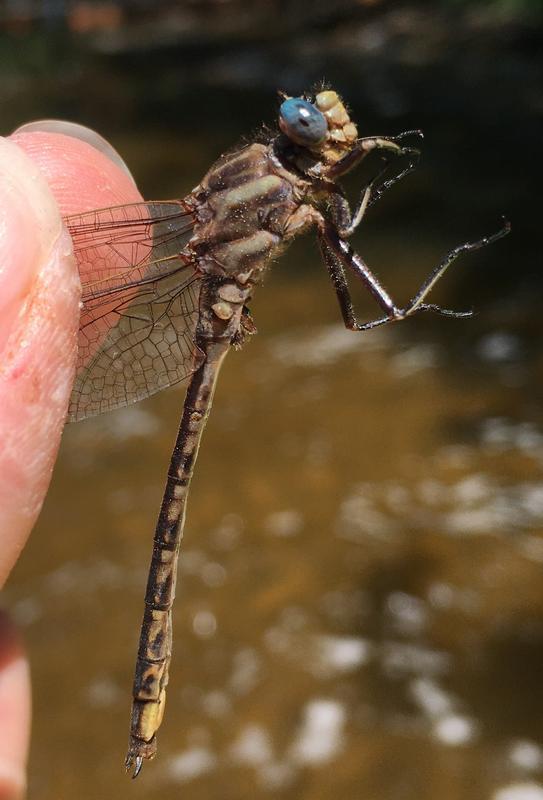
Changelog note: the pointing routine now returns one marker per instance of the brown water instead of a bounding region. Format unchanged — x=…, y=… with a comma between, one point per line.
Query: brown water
x=359, y=611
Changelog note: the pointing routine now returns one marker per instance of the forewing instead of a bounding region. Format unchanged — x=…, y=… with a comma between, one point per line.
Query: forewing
x=139, y=303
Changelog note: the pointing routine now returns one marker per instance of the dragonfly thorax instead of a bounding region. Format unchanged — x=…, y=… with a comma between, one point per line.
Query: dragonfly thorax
x=243, y=208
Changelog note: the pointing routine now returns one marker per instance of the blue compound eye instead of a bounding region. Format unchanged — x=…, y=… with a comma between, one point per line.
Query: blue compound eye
x=302, y=122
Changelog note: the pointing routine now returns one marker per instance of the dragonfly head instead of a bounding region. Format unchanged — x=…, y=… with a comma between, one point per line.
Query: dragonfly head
x=323, y=127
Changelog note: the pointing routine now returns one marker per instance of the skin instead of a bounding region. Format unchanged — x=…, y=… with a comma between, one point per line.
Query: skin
x=43, y=176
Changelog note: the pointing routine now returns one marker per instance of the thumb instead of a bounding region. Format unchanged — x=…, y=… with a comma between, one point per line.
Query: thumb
x=39, y=293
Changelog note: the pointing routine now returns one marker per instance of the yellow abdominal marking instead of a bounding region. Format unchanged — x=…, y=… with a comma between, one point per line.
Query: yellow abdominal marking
x=151, y=717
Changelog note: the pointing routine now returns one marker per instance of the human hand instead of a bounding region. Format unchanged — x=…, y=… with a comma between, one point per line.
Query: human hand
x=43, y=176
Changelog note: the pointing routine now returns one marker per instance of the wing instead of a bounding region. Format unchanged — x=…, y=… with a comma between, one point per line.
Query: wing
x=139, y=303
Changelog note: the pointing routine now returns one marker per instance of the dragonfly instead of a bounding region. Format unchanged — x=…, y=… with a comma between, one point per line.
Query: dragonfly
x=165, y=297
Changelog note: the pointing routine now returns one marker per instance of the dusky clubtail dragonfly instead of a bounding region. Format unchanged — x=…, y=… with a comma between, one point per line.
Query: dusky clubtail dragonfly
x=166, y=298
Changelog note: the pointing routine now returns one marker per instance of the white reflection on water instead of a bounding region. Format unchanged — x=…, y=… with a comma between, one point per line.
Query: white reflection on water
x=213, y=574
x=413, y=359
x=401, y=658
x=526, y=755
x=284, y=523
x=476, y=504
x=492, y=507
x=246, y=671
x=190, y=764
x=103, y=692
x=320, y=736
x=445, y=596
x=500, y=433
x=520, y=791
x=321, y=655
x=438, y=706
x=359, y=517
x=204, y=624
x=431, y=699
x=409, y=613
x=323, y=345
x=455, y=730
x=84, y=578
x=252, y=747
x=216, y=704
x=319, y=739
x=339, y=654
x=127, y=423
x=227, y=534
x=499, y=346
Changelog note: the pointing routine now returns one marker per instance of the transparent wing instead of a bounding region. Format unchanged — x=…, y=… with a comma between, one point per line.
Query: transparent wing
x=139, y=303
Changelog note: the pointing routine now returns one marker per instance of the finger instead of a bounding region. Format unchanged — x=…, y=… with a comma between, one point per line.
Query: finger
x=15, y=712
x=80, y=177
x=39, y=310
x=83, y=178
x=39, y=297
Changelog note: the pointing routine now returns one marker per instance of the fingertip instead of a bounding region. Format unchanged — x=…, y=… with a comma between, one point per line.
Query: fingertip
x=80, y=176
x=77, y=131
x=15, y=712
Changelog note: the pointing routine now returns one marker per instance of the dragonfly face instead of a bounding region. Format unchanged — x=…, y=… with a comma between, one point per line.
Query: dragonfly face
x=323, y=127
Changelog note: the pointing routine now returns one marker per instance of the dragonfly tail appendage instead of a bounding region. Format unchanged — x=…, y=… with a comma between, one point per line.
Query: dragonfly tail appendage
x=133, y=764
x=139, y=749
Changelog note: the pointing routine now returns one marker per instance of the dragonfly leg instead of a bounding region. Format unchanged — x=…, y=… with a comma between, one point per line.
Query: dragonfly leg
x=345, y=220
x=364, y=147
x=418, y=304
x=338, y=254
x=335, y=261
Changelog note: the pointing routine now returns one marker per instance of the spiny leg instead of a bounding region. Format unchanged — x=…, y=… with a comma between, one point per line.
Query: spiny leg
x=417, y=303
x=364, y=147
x=338, y=254
x=346, y=221
x=335, y=262
x=386, y=185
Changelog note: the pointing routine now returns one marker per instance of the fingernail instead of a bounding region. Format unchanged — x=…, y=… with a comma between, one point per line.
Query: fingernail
x=30, y=225
x=77, y=131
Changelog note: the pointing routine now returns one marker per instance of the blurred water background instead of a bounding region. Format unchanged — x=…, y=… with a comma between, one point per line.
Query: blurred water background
x=360, y=604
